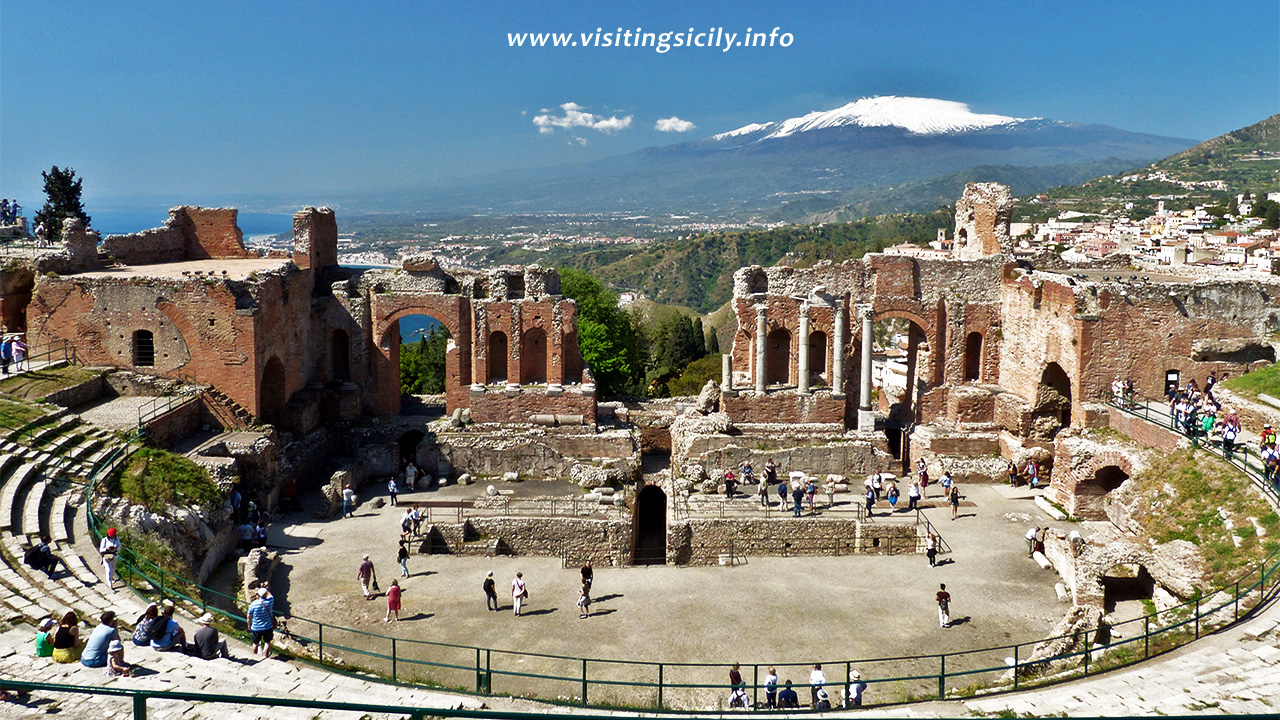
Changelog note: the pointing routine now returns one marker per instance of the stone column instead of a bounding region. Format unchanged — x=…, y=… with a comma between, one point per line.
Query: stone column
x=761, y=327
x=837, y=352
x=802, y=354
x=868, y=328
x=726, y=372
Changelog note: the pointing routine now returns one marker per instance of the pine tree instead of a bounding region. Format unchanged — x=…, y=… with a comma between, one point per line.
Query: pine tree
x=63, y=190
x=713, y=343
x=1273, y=216
x=699, y=339
x=1233, y=207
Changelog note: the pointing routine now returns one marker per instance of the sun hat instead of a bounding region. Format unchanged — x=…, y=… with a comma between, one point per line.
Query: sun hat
x=115, y=646
x=855, y=674
x=111, y=532
x=206, y=619
x=46, y=624
x=366, y=557
x=262, y=592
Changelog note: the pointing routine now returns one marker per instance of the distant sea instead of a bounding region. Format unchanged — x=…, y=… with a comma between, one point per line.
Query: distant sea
x=415, y=327
x=119, y=222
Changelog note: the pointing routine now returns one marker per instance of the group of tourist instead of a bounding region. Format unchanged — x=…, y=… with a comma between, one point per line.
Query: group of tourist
x=1030, y=472
x=1198, y=414
x=13, y=353
x=10, y=211
x=782, y=695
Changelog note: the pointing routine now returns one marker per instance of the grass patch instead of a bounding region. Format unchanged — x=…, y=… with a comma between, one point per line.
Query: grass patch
x=157, y=479
x=38, y=384
x=155, y=549
x=1265, y=380
x=1183, y=495
x=14, y=414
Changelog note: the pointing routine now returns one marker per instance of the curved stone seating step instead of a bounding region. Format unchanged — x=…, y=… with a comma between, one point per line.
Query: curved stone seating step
x=45, y=435
x=9, y=494
x=36, y=495
x=60, y=528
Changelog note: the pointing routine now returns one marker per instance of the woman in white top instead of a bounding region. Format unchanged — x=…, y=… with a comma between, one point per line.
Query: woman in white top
x=109, y=548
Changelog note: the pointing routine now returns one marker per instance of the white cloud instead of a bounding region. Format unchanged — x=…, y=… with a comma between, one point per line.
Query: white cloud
x=674, y=124
x=579, y=140
x=575, y=116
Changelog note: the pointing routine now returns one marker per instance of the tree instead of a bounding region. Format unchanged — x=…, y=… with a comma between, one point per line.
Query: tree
x=62, y=187
x=1233, y=207
x=1273, y=216
x=422, y=363
x=607, y=337
x=713, y=343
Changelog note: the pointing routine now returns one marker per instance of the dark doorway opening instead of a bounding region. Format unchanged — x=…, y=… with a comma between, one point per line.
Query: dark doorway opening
x=650, y=527
x=778, y=358
x=497, y=357
x=973, y=356
x=340, y=356
x=409, y=445
x=1126, y=582
x=1053, y=402
x=533, y=357
x=272, y=397
x=1170, y=382
x=1110, y=478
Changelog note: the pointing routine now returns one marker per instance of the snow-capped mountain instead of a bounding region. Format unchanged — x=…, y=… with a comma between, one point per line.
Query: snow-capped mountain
x=885, y=153
x=920, y=116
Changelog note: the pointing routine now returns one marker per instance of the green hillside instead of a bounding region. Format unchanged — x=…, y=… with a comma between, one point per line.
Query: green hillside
x=697, y=271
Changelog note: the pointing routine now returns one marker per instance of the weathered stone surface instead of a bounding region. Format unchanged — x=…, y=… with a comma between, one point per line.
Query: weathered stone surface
x=594, y=476
x=709, y=399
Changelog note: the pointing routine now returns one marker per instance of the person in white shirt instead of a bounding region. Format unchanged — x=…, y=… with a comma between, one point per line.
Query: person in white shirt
x=519, y=591
x=109, y=548
x=817, y=679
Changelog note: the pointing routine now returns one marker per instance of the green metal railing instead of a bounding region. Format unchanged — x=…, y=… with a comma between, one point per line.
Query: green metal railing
x=642, y=684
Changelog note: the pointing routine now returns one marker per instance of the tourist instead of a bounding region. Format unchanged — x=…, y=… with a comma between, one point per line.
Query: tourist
x=823, y=700
x=251, y=513
x=168, y=635
x=588, y=574
x=923, y=471
x=519, y=592
x=729, y=482
x=145, y=625
x=782, y=496
x=44, y=637
x=1229, y=435
x=763, y=490
x=393, y=601
x=931, y=550
x=244, y=534
x=771, y=689
x=95, y=648
x=810, y=489
x=856, y=688
x=748, y=475
x=19, y=354
x=892, y=495
x=831, y=491
x=235, y=501
x=871, y=501
x=416, y=516
x=1031, y=540
x=584, y=601
x=737, y=692
x=1033, y=474
x=116, y=665
x=877, y=484
x=393, y=489
x=410, y=477
x=41, y=557
x=402, y=557
x=817, y=679
x=788, y=698
x=913, y=495
x=368, y=577
x=6, y=354
x=66, y=640
x=261, y=618
x=944, y=605
x=954, y=500
x=109, y=549
x=260, y=533
x=946, y=482
x=406, y=524
x=770, y=472
x=208, y=643
x=1013, y=473
x=348, y=501
x=490, y=593
x=797, y=497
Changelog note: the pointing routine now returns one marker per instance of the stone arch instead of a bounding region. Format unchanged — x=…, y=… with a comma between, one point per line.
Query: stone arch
x=1084, y=493
x=497, y=352
x=340, y=356
x=144, y=348
x=919, y=378
x=650, y=545
x=533, y=357
x=1052, y=409
x=272, y=392
x=973, y=356
x=777, y=357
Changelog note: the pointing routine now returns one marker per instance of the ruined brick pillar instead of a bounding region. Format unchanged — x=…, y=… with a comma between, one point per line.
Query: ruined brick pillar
x=837, y=353
x=761, y=328
x=802, y=346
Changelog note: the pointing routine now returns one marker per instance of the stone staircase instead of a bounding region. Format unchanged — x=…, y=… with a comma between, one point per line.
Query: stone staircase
x=231, y=414
x=43, y=471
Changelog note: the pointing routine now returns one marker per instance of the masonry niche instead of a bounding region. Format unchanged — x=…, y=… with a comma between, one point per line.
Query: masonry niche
x=650, y=527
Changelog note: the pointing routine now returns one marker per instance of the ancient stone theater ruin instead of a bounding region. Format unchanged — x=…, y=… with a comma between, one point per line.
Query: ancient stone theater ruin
x=1002, y=352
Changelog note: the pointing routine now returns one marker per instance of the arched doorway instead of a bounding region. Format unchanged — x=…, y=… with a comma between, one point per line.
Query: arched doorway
x=778, y=357
x=533, y=357
x=650, y=527
x=973, y=356
x=271, y=392
x=1126, y=582
x=1052, y=409
x=340, y=356
x=409, y=445
x=425, y=343
x=497, y=352
x=818, y=355
x=1091, y=492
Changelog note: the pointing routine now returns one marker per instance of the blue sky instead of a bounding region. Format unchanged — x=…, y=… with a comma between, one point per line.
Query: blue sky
x=204, y=102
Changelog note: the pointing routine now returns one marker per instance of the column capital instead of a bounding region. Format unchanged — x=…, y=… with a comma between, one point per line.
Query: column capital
x=866, y=311
x=761, y=310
